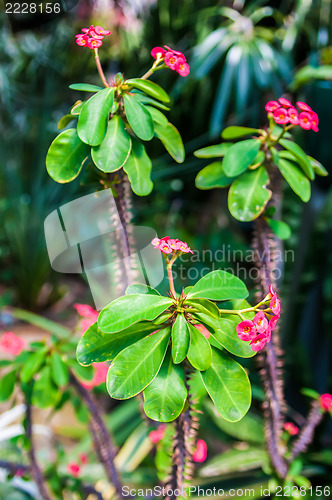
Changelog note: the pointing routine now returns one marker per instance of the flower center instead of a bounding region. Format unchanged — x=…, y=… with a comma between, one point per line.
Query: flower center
x=246, y=329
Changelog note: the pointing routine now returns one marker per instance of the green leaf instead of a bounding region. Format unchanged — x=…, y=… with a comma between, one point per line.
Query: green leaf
x=213, y=176
x=150, y=88
x=171, y=140
x=165, y=396
x=7, y=385
x=85, y=87
x=76, y=108
x=233, y=460
x=136, y=366
x=45, y=393
x=275, y=156
x=65, y=120
x=228, y=386
x=66, y=156
x=204, y=306
x=180, y=339
x=226, y=337
x=114, y=150
x=140, y=288
x=144, y=99
x=59, y=369
x=300, y=155
x=219, y=285
x=138, y=168
x=82, y=372
x=96, y=346
x=199, y=353
x=280, y=228
x=131, y=309
x=235, y=132
x=248, y=195
x=157, y=116
x=139, y=118
x=43, y=323
x=92, y=123
x=240, y=156
x=32, y=365
x=218, y=150
x=318, y=167
x=299, y=183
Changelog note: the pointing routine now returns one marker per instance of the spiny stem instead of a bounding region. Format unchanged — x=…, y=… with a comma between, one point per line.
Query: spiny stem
x=100, y=69
x=306, y=433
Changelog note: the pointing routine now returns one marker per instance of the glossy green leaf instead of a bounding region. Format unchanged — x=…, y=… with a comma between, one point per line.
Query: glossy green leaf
x=92, y=122
x=157, y=116
x=136, y=366
x=171, y=140
x=144, y=99
x=130, y=309
x=150, y=88
x=302, y=158
x=66, y=156
x=199, y=353
x=140, y=288
x=45, y=393
x=114, y=151
x=218, y=150
x=280, y=228
x=233, y=460
x=165, y=396
x=82, y=372
x=248, y=195
x=204, y=306
x=240, y=156
x=76, y=108
x=59, y=369
x=235, y=132
x=213, y=176
x=180, y=339
x=85, y=87
x=96, y=346
x=318, y=167
x=138, y=168
x=299, y=183
x=228, y=386
x=7, y=385
x=219, y=285
x=32, y=365
x=226, y=337
x=139, y=118
x=65, y=120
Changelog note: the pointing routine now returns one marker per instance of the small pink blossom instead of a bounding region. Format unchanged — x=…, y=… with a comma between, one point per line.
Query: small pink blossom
x=182, y=67
x=246, y=330
x=258, y=342
x=158, y=434
x=260, y=321
x=83, y=458
x=280, y=115
x=171, y=59
x=158, y=51
x=273, y=322
x=303, y=106
x=285, y=102
x=272, y=106
x=90, y=316
x=164, y=247
x=101, y=31
x=267, y=333
x=305, y=120
x=82, y=40
x=11, y=343
x=94, y=43
x=92, y=37
x=275, y=305
x=177, y=52
x=200, y=452
x=201, y=328
x=291, y=428
x=99, y=376
x=293, y=116
x=168, y=245
x=325, y=401
x=74, y=469
x=314, y=122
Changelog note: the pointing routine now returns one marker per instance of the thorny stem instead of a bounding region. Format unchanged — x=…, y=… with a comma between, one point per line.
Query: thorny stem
x=100, y=69
x=102, y=439
x=306, y=434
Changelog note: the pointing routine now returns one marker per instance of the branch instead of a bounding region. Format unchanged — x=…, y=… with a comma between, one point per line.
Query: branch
x=307, y=432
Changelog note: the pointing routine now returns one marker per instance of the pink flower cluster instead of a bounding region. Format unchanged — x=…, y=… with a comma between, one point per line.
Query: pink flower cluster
x=168, y=245
x=325, y=401
x=174, y=59
x=91, y=37
x=258, y=331
x=10, y=343
x=291, y=428
x=284, y=112
x=74, y=468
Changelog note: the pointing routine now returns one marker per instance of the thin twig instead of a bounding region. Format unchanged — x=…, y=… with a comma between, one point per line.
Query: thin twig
x=307, y=432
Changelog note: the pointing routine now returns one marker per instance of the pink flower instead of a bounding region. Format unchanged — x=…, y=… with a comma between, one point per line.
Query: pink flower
x=201, y=328
x=177, y=52
x=171, y=59
x=275, y=305
x=314, y=122
x=158, y=51
x=305, y=120
x=82, y=40
x=92, y=37
x=272, y=106
x=164, y=247
x=200, y=452
x=74, y=469
x=273, y=322
x=99, y=377
x=168, y=245
x=93, y=43
x=90, y=316
x=303, y=106
x=293, y=116
x=246, y=330
x=285, y=102
x=258, y=342
x=83, y=458
x=101, y=31
x=260, y=321
x=325, y=401
x=158, y=434
x=183, y=247
x=291, y=428
x=182, y=67
x=280, y=115
x=267, y=333
x=12, y=344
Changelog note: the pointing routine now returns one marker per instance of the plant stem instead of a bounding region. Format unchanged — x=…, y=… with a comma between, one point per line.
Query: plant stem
x=100, y=69
x=170, y=279
x=306, y=434
x=154, y=68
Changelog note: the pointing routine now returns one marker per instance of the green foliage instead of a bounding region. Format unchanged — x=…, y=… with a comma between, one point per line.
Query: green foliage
x=180, y=339
x=139, y=118
x=295, y=178
x=138, y=168
x=93, y=119
x=240, y=156
x=219, y=285
x=199, y=353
